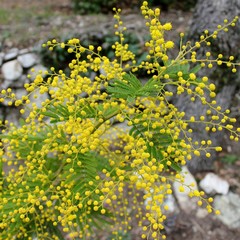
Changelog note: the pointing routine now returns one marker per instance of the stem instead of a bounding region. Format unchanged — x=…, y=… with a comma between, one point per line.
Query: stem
x=104, y=120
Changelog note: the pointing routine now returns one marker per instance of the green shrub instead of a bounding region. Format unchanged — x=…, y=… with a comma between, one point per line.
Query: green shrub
x=168, y=4
x=230, y=158
x=59, y=58
x=94, y=6
x=105, y=6
x=74, y=171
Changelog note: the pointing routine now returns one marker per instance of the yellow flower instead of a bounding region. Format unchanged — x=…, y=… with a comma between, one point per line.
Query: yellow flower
x=169, y=44
x=167, y=26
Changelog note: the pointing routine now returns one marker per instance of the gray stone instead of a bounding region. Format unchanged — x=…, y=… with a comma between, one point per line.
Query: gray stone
x=181, y=19
x=201, y=213
x=6, y=84
x=171, y=203
x=37, y=68
x=58, y=21
x=11, y=54
x=12, y=70
x=1, y=58
x=27, y=60
x=20, y=92
x=229, y=208
x=1, y=114
x=24, y=51
x=21, y=81
x=13, y=115
x=36, y=98
x=212, y=183
x=39, y=99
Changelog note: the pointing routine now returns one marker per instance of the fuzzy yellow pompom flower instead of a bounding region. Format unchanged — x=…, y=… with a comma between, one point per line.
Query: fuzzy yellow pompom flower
x=169, y=44
x=167, y=26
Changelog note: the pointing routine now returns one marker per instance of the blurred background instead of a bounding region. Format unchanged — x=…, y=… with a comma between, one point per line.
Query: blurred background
x=26, y=24
x=24, y=21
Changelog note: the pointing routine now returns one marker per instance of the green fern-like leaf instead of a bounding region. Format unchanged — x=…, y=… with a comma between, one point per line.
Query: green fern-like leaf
x=130, y=87
x=61, y=113
x=172, y=69
x=160, y=142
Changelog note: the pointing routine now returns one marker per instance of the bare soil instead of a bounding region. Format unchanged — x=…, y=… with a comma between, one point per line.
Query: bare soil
x=26, y=22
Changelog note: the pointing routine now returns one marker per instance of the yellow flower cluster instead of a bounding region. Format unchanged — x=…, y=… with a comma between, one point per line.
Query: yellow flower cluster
x=72, y=168
x=157, y=45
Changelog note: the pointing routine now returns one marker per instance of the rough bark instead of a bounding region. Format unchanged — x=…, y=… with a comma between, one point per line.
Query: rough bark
x=207, y=15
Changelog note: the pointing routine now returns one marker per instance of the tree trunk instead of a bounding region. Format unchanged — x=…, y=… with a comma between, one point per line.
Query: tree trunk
x=209, y=14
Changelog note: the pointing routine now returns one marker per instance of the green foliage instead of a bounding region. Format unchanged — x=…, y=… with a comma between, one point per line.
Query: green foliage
x=229, y=158
x=185, y=68
x=3, y=16
x=105, y=6
x=184, y=5
x=130, y=87
x=74, y=170
x=94, y=6
x=59, y=58
x=54, y=169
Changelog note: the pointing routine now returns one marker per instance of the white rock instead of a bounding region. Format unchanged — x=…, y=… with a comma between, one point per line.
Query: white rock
x=187, y=204
x=6, y=84
x=11, y=54
x=229, y=208
x=201, y=213
x=27, y=60
x=12, y=70
x=39, y=99
x=171, y=203
x=25, y=50
x=212, y=183
x=21, y=81
x=13, y=115
x=20, y=92
x=37, y=68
